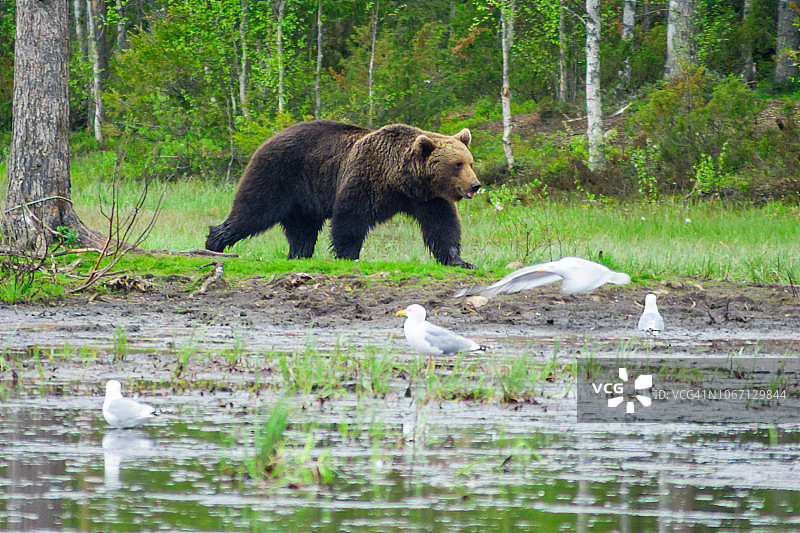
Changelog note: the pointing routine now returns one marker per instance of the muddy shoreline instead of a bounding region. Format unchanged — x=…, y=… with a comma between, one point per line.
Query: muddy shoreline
x=713, y=317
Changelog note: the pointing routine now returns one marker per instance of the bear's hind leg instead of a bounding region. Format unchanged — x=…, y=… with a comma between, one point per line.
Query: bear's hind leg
x=302, y=233
x=237, y=227
x=347, y=235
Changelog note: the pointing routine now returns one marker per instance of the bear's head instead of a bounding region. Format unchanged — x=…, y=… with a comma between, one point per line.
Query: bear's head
x=447, y=162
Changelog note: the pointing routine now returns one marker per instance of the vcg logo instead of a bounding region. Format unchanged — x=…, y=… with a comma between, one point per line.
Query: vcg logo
x=644, y=381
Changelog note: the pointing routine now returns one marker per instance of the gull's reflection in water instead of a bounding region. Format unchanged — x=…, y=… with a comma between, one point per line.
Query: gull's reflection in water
x=120, y=444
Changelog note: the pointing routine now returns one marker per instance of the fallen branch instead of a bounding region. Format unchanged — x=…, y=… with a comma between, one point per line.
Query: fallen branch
x=215, y=275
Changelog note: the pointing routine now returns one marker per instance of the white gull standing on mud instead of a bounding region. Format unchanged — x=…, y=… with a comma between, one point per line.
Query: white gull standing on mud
x=651, y=320
x=579, y=275
x=429, y=339
x=123, y=412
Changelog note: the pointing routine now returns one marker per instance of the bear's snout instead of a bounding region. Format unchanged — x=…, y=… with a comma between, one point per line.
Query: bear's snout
x=469, y=193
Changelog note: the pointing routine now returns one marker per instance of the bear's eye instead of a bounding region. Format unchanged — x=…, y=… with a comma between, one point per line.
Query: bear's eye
x=458, y=166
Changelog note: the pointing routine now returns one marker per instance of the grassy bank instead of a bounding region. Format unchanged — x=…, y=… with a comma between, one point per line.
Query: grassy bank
x=707, y=238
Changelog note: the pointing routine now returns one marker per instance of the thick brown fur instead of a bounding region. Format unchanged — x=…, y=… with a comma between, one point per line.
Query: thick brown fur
x=359, y=178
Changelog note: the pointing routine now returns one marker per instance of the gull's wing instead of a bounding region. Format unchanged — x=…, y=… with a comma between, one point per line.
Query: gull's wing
x=651, y=321
x=447, y=341
x=519, y=280
x=125, y=409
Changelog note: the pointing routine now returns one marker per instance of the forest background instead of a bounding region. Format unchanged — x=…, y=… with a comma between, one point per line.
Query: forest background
x=188, y=89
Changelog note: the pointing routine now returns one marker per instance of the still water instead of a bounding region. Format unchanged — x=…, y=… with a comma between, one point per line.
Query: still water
x=398, y=464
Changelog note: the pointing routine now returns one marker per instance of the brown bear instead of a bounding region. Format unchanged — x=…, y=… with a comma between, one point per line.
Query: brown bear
x=323, y=169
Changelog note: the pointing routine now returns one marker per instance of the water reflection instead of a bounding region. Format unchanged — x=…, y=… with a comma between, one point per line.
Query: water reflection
x=120, y=444
x=400, y=464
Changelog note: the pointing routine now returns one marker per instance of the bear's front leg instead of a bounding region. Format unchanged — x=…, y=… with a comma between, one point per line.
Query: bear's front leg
x=441, y=231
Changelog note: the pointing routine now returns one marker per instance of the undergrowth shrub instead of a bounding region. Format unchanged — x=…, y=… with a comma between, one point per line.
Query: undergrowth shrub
x=691, y=118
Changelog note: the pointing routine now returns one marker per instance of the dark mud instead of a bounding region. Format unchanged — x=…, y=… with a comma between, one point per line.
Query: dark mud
x=278, y=312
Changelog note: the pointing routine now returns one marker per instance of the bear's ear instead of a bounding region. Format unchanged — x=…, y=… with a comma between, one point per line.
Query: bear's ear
x=464, y=136
x=423, y=146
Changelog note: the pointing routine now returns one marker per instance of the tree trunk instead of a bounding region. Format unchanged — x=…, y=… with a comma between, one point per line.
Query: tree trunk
x=122, y=28
x=562, y=57
x=628, y=14
x=507, y=41
x=38, y=199
x=680, y=36
x=748, y=65
x=245, y=62
x=318, y=79
x=594, y=108
x=280, y=8
x=80, y=36
x=787, y=41
x=96, y=18
x=372, y=61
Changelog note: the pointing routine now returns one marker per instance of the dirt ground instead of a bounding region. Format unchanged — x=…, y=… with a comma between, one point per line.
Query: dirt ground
x=268, y=311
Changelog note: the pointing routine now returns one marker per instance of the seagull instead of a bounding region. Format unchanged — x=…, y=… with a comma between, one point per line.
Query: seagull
x=432, y=340
x=651, y=320
x=579, y=275
x=122, y=412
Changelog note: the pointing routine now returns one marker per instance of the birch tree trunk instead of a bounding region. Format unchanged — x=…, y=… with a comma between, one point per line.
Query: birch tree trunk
x=279, y=7
x=245, y=62
x=679, y=36
x=628, y=14
x=507, y=41
x=748, y=66
x=122, y=21
x=594, y=108
x=372, y=61
x=38, y=199
x=786, y=41
x=562, y=56
x=318, y=79
x=96, y=20
x=80, y=35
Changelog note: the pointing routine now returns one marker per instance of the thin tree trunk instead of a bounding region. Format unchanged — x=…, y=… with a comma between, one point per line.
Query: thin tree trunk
x=786, y=41
x=38, y=199
x=507, y=41
x=452, y=20
x=748, y=65
x=245, y=62
x=318, y=79
x=594, y=108
x=80, y=35
x=122, y=24
x=562, y=56
x=680, y=36
x=628, y=14
x=280, y=10
x=372, y=61
x=95, y=16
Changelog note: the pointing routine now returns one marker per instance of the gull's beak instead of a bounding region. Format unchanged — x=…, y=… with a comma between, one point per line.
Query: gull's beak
x=401, y=312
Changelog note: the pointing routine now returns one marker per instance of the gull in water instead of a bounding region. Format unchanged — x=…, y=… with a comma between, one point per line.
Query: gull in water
x=123, y=412
x=578, y=275
x=651, y=320
x=432, y=340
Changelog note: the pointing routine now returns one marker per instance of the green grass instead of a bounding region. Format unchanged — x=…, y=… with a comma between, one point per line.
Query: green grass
x=650, y=241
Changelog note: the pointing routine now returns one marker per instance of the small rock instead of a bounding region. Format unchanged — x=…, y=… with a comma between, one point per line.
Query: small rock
x=514, y=265
x=477, y=301
x=672, y=284
x=698, y=287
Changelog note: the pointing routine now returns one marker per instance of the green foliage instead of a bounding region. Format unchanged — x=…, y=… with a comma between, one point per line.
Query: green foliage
x=691, y=116
x=644, y=161
x=268, y=438
x=69, y=235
